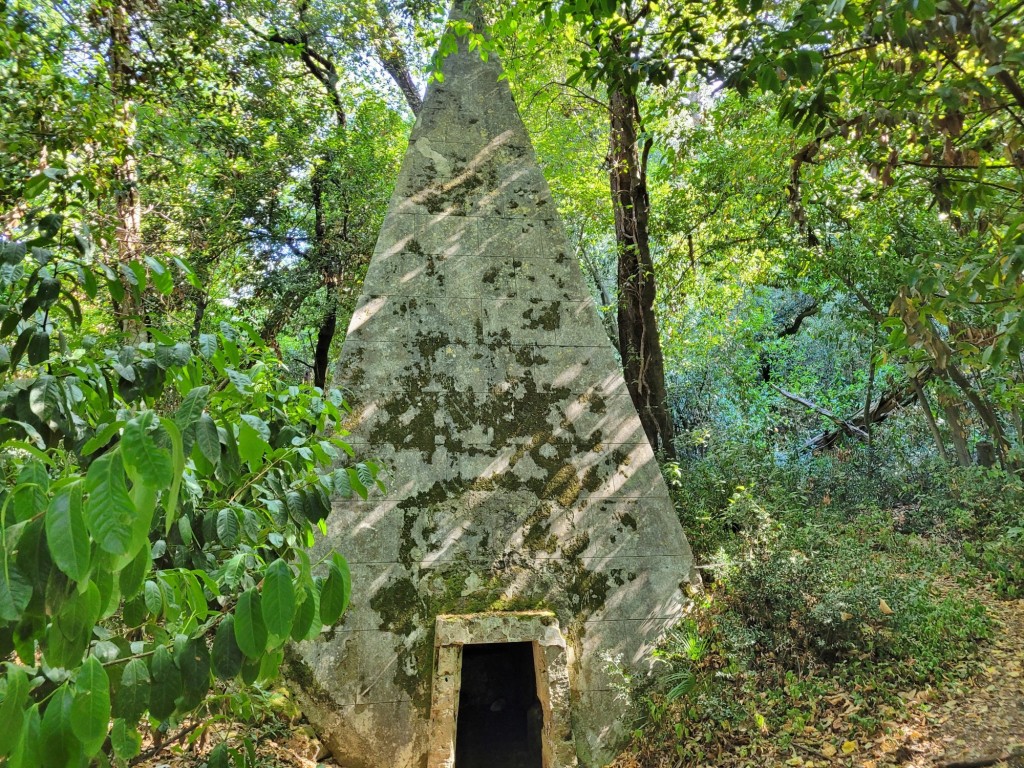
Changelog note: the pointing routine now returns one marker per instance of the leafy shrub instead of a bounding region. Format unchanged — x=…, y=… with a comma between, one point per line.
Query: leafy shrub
x=1003, y=560
x=798, y=591
x=155, y=506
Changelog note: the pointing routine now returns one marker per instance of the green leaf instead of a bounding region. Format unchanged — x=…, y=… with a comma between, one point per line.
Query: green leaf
x=39, y=348
x=335, y=591
x=12, y=708
x=227, y=656
x=102, y=437
x=250, y=629
x=147, y=461
x=154, y=597
x=66, y=534
x=27, y=753
x=15, y=589
x=207, y=345
x=194, y=662
x=133, y=696
x=177, y=472
x=90, y=712
x=171, y=356
x=305, y=615
x=219, y=757
x=71, y=630
x=208, y=439
x=109, y=512
x=30, y=495
x=167, y=684
x=125, y=740
x=191, y=408
x=251, y=447
x=132, y=576
x=227, y=527
x=278, y=599
x=58, y=741
x=923, y=10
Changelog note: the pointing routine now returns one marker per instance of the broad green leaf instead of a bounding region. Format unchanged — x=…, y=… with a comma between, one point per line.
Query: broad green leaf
x=66, y=534
x=167, y=684
x=126, y=741
x=132, y=697
x=154, y=597
x=59, y=745
x=71, y=629
x=90, y=712
x=251, y=447
x=12, y=707
x=27, y=753
x=194, y=662
x=208, y=439
x=109, y=512
x=15, y=589
x=191, y=408
x=170, y=356
x=148, y=462
x=30, y=498
x=208, y=345
x=305, y=615
x=227, y=656
x=227, y=527
x=102, y=437
x=278, y=599
x=219, y=757
x=250, y=629
x=133, y=575
x=177, y=471
x=335, y=591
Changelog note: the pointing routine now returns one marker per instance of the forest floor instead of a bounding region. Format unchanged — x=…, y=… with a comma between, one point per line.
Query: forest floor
x=984, y=723
x=977, y=723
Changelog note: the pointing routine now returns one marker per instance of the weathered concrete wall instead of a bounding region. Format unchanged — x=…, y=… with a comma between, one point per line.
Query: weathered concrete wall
x=479, y=371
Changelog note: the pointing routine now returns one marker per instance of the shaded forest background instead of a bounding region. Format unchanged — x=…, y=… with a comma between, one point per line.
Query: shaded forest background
x=803, y=225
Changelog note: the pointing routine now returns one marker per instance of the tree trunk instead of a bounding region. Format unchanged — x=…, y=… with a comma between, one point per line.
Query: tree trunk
x=388, y=46
x=943, y=356
x=128, y=205
x=926, y=407
x=324, y=337
x=869, y=396
x=639, y=343
x=956, y=430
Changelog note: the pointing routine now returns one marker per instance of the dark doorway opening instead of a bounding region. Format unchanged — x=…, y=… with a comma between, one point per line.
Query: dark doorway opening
x=500, y=717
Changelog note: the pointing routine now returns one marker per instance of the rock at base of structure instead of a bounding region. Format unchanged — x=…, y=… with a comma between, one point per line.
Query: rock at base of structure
x=479, y=372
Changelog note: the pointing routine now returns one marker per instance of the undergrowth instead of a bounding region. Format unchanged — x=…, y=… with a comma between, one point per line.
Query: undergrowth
x=835, y=587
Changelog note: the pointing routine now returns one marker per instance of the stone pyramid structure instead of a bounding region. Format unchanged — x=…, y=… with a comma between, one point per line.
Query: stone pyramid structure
x=525, y=504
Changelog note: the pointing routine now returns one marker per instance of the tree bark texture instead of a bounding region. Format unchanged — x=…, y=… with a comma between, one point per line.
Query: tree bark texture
x=388, y=47
x=127, y=203
x=956, y=430
x=933, y=427
x=639, y=342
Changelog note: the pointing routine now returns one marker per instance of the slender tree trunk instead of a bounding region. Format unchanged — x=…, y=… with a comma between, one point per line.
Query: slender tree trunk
x=128, y=205
x=956, y=430
x=202, y=301
x=639, y=342
x=943, y=356
x=933, y=427
x=869, y=396
x=324, y=337
x=389, y=49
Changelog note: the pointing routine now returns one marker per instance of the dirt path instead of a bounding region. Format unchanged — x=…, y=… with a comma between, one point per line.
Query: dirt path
x=983, y=725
